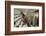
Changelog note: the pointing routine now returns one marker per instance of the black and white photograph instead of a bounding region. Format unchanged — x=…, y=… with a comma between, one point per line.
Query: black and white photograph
x=26, y=17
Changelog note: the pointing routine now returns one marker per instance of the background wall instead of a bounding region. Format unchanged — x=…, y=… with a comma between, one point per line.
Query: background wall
x=2, y=18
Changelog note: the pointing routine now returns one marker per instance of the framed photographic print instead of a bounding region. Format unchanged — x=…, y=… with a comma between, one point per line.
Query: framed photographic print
x=24, y=17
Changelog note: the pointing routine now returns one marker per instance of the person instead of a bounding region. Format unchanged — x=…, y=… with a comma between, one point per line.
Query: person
x=25, y=19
